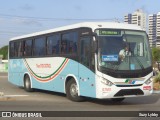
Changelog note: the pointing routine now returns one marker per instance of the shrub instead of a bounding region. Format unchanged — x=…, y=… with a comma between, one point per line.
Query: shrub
x=4, y=52
x=157, y=78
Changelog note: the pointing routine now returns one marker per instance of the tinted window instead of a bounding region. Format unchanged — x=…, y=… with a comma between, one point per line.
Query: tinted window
x=16, y=49
x=53, y=44
x=27, y=48
x=20, y=49
x=86, y=51
x=40, y=46
x=69, y=43
x=12, y=49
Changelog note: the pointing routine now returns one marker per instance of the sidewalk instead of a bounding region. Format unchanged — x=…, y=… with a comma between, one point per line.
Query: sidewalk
x=4, y=74
x=156, y=91
x=3, y=71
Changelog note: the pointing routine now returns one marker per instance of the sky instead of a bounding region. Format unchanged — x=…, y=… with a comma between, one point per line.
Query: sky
x=19, y=17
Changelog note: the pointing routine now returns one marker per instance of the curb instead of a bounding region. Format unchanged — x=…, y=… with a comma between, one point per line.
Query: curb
x=3, y=71
x=156, y=92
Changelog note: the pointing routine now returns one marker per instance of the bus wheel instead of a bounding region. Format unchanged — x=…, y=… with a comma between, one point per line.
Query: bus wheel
x=27, y=84
x=72, y=91
x=117, y=99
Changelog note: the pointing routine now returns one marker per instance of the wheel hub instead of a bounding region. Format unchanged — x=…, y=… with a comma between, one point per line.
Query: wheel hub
x=74, y=90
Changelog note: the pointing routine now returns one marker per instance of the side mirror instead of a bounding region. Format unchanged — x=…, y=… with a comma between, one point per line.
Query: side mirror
x=94, y=44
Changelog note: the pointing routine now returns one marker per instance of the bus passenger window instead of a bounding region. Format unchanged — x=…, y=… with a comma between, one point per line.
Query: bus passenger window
x=16, y=52
x=71, y=47
x=40, y=46
x=20, y=49
x=64, y=47
x=27, y=48
x=11, y=49
x=53, y=50
x=53, y=44
x=69, y=43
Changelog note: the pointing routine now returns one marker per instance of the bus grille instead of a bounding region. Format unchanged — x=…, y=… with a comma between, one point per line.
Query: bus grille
x=129, y=85
x=124, y=92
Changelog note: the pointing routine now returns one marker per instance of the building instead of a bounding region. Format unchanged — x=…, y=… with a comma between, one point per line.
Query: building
x=152, y=33
x=154, y=30
x=158, y=30
x=138, y=18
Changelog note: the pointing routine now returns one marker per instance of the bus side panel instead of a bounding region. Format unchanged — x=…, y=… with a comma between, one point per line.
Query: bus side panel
x=58, y=83
x=71, y=69
x=87, y=82
x=44, y=72
x=16, y=68
x=52, y=75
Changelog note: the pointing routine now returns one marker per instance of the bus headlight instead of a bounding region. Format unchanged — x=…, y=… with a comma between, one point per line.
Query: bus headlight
x=148, y=81
x=106, y=82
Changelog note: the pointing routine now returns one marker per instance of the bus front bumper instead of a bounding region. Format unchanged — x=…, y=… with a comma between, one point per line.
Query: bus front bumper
x=124, y=92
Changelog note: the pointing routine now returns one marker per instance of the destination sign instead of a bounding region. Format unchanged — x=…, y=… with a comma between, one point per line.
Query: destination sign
x=109, y=32
x=110, y=58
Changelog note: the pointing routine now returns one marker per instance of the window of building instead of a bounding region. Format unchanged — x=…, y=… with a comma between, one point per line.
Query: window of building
x=139, y=17
x=39, y=46
x=53, y=44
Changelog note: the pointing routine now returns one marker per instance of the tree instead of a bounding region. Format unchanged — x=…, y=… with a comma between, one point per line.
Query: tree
x=156, y=54
x=4, y=52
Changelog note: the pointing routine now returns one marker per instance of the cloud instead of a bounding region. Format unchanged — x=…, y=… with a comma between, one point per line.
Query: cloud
x=114, y=0
x=27, y=7
x=144, y=8
x=28, y=22
x=78, y=8
x=1, y=20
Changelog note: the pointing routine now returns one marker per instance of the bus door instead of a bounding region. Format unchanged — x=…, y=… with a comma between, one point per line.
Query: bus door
x=86, y=75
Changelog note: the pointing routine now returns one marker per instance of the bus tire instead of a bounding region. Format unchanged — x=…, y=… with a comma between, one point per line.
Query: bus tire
x=117, y=99
x=72, y=91
x=27, y=84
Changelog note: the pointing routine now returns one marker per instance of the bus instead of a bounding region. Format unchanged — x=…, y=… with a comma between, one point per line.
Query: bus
x=83, y=60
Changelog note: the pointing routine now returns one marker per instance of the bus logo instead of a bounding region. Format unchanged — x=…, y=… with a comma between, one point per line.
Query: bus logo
x=130, y=81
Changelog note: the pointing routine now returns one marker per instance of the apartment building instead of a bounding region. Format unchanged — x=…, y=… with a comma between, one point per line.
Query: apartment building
x=138, y=18
x=154, y=30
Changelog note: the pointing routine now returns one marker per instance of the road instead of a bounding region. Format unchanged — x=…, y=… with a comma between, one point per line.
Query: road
x=16, y=99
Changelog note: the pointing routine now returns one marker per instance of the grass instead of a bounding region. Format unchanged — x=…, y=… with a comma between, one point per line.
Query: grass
x=156, y=83
x=157, y=78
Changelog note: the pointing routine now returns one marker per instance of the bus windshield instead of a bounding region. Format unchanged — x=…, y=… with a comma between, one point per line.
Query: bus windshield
x=125, y=50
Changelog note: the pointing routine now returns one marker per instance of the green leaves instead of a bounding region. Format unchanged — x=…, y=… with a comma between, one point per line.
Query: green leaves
x=156, y=54
x=4, y=52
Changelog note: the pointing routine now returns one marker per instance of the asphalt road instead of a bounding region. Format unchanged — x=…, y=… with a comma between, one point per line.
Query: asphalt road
x=16, y=99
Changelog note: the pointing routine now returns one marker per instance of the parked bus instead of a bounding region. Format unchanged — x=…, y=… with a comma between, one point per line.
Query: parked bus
x=92, y=59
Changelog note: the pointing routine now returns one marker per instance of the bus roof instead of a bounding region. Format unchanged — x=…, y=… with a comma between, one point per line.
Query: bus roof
x=92, y=25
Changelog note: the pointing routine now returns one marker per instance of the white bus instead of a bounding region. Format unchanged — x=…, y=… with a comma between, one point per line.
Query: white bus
x=101, y=60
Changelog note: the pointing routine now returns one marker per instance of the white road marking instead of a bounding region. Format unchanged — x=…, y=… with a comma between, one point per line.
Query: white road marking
x=156, y=91
x=15, y=95
x=3, y=76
